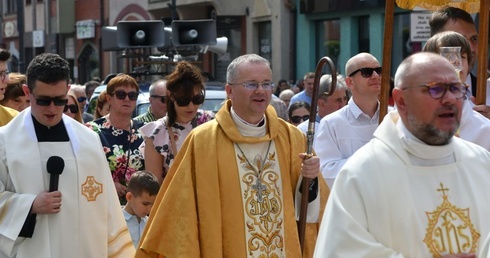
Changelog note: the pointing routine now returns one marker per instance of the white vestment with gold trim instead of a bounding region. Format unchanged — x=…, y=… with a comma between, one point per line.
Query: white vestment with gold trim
x=382, y=205
x=90, y=223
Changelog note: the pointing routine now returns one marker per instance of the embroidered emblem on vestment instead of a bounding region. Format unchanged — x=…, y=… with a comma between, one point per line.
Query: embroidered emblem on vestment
x=91, y=189
x=263, y=207
x=450, y=230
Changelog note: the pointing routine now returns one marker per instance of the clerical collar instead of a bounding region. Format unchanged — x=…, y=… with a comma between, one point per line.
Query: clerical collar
x=247, y=129
x=423, y=154
x=56, y=133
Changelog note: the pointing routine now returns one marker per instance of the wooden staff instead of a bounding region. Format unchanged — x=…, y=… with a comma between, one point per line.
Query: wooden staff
x=305, y=185
x=387, y=48
x=482, y=74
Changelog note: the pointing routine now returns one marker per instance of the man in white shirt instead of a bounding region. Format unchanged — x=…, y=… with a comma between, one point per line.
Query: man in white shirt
x=343, y=132
x=414, y=190
x=328, y=104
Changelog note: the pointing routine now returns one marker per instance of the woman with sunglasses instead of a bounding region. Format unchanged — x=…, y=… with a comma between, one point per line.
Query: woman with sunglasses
x=71, y=108
x=118, y=132
x=185, y=93
x=299, y=112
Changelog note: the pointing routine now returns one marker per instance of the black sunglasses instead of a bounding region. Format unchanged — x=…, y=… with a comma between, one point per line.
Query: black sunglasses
x=184, y=101
x=298, y=119
x=367, y=72
x=132, y=95
x=81, y=99
x=47, y=101
x=162, y=98
x=73, y=108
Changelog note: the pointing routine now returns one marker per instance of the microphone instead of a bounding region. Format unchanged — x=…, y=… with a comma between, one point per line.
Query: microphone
x=55, y=166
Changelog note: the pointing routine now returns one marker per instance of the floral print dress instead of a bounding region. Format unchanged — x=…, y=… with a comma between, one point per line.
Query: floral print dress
x=158, y=131
x=120, y=147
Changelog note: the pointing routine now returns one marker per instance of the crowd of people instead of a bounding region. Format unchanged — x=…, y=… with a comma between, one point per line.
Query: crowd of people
x=178, y=181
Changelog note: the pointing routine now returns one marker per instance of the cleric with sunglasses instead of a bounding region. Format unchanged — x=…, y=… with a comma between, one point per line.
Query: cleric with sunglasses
x=164, y=137
x=119, y=133
x=54, y=177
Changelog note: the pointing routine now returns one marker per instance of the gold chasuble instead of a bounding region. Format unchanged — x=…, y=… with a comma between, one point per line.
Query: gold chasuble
x=212, y=205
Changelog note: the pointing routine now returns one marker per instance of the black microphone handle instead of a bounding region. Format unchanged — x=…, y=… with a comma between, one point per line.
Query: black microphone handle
x=53, y=182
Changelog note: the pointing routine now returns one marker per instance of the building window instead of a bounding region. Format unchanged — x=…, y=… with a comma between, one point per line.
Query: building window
x=328, y=40
x=230, y=27
x=364, y=34
x=265, y=40
x=11, y=6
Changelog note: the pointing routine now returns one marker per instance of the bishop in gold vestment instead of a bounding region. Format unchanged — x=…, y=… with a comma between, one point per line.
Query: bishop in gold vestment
x=200, y=210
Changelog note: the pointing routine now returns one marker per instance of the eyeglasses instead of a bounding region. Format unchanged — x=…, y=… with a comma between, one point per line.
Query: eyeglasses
x=184, y=101
x=73, y=108
x=121, y=95
x=437, y=90
x=81, y=99
x=298, y=119
x=47, y=101
x=367, y=72
x=162, y=98
x=253, y=85
x=4, y=75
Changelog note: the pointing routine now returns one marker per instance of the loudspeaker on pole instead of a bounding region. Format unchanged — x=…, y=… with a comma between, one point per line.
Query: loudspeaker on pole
x=109, y=39
x=138, y=34
x=194, y=32
x=220, y=47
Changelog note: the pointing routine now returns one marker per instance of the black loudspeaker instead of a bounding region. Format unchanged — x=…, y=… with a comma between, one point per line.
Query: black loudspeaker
x=138, y=34
x=194, y=32
x=109, y=39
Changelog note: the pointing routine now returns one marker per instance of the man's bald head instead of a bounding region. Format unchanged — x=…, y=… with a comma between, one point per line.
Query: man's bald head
x=356, y=62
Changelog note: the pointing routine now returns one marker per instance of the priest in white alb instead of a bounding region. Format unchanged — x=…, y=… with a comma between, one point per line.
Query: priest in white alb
x=77, y=215
x=415, y=190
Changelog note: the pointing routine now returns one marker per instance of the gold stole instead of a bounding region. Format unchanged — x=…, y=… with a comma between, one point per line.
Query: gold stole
x=262, y=199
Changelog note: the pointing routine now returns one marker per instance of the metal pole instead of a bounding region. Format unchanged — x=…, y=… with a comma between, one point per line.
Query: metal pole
x=47, y=24
x=101, y=52
x=20, y=29
x=34, y=25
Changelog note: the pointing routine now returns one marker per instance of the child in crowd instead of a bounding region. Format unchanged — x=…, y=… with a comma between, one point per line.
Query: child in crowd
x=142, y=191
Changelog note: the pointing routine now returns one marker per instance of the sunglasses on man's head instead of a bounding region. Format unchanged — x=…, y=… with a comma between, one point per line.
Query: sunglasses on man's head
x=367, y=72
x=73, y=108
x=184, y=101
x=47, y=101
x=298, y=119
x=162, y=98
x=121, y=95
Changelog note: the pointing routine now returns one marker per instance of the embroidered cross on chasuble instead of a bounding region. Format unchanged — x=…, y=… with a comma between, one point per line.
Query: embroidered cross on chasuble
x=262, y=199
x=450, y=230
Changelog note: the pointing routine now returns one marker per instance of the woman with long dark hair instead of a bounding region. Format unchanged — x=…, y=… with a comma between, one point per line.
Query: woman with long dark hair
x=164, y=137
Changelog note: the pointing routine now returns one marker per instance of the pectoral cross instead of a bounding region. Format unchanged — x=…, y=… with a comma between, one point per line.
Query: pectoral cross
x=443, y=190
x=259, y=187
